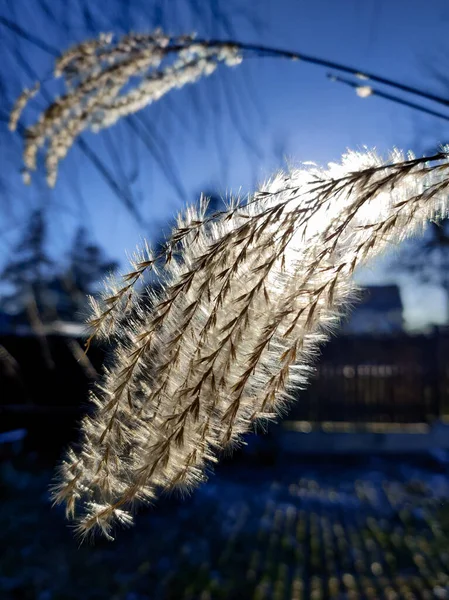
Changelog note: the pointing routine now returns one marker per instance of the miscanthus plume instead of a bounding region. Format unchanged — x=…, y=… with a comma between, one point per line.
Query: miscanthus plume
x=107, y=79
x=228, y=341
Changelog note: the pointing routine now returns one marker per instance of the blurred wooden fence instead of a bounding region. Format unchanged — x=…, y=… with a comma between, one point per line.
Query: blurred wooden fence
x=403, y=379
x=44, y=384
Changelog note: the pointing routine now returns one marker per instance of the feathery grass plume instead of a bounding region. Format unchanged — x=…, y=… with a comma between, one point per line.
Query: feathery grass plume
x=106, y=81
x=247, y=297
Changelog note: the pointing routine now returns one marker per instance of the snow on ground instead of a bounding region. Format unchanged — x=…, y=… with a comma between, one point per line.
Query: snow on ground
x=345, y=529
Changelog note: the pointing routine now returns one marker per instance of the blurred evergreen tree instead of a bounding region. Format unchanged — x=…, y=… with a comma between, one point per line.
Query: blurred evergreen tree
x=88, y=265
x=29, y=270
x=88, y=262
x=38, y=284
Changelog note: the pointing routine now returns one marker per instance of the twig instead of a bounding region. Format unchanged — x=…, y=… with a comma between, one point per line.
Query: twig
x=364, y=91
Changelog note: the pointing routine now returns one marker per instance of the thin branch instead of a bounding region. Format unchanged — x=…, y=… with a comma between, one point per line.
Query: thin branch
x=328, y=64
x=109, y=179
x=364, y=91
x=29, y=37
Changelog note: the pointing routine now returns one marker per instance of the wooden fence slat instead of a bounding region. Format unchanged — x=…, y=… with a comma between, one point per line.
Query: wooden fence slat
x=403, y=379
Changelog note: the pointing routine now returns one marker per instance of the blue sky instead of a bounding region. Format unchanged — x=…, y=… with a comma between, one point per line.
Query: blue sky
x=289, y=110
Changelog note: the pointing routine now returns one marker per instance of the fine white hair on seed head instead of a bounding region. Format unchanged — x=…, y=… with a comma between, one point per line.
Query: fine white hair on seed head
x=231, y=333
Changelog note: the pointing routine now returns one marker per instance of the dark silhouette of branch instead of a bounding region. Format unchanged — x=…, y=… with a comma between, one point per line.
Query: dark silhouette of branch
x=158, y=148
x=313, y=60
x=29, y=37
x=110, y=180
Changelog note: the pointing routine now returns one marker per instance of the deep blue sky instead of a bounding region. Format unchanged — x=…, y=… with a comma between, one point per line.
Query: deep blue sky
x=288, y=109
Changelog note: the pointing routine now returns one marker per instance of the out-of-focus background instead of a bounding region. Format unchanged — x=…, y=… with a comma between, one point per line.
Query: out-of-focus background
x=348, y=497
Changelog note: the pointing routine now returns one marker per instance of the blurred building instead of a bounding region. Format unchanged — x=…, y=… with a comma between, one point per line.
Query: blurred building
x=380, y=311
